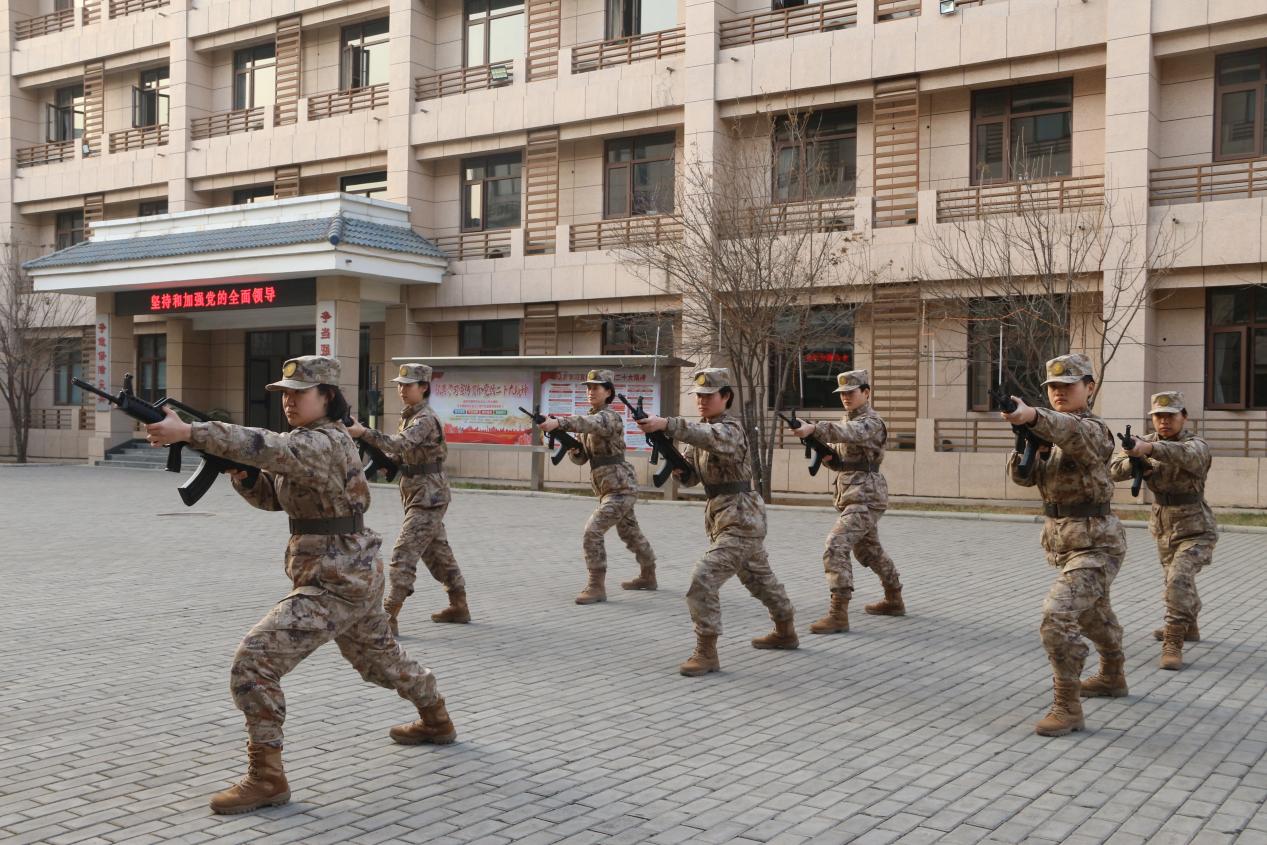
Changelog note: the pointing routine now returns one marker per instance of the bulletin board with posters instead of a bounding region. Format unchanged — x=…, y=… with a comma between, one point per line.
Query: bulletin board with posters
x=482, y=406
x=563, y=392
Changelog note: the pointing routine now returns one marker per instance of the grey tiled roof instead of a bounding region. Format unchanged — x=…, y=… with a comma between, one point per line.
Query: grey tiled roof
x=336, y=230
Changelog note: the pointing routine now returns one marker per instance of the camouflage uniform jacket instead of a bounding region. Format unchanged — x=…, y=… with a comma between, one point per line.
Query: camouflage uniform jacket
x=602, y=433
x=718, y=451
x=1179, y=465
x=420, y=441
x=312, y=472
x=1076, y=471
x=859, y=437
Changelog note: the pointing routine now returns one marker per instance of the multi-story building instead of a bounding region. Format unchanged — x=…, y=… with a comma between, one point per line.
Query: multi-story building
x=452, y=178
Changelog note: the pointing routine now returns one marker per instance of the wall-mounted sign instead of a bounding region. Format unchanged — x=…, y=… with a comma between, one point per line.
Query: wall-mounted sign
x=101, y=359
x=327, y=325
x=482, y=406
x=563, y=393
x=225, y=297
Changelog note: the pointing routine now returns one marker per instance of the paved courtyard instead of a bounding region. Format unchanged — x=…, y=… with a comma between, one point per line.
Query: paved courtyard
x=120, y=610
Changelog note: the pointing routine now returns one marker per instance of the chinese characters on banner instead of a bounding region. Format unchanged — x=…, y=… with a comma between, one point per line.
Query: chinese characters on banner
x=482, y=406
x=101, y=359
x=564, y=393
x=326, y=326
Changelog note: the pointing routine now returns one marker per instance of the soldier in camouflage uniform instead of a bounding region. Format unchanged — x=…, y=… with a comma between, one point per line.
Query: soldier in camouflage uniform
x=420, y=451
x=1081, y=536
x=861, y=496
x=602, y=434
x=314, y=474
x=1181, y=521
x=734, y=518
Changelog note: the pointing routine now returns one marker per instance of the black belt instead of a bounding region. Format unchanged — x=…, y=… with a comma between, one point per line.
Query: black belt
x=727, y=488
x=422, y=469
x=1077, y=510
x=334, y=525
x=1175, y=499
x=856, y=466
x=608, y=461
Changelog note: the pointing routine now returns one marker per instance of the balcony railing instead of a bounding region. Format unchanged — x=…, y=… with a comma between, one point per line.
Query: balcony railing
x=468, y=245
x=121, y=8
x=624, y=232
x=784, y=23
x=49, y=153
x=346, y=102
x=138, y=138
x=825, y=215
x=226, y=123
x=1227, y=438
x=623, y=51
x=44, y=24
x=463, y=79
x=55, y=419
x=974, y=434
x=1057, y=195
x=1224, y=180
x=1232, y=438
x=887, y=10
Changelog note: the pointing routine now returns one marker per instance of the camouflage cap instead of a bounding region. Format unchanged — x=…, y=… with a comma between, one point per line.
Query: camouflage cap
x=604, y=377
x=413, y=373
x=709, y=380
x=307, y=371
x=852, y=380
x=1168, y=402
x=1068, y=369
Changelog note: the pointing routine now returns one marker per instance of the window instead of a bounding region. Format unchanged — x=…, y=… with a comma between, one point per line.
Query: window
x=808, y=379
x=363, y=60
x=638, y=334
x=488, y=337
x=151, y=366
x=252, y=195
x=365, y=184
x=638, y=177
x=149, y=99
x=66, y=114
x=1240, y=87
x=152, y=208
x=63, y=5
x=255, y=76
x=490, y=192
x=634, y=17
x=817, y=157
x=68, y=363
x=70, y=228
x=1024, y=132
x=1030, y=330
x=1236, y=348
x=494, y=31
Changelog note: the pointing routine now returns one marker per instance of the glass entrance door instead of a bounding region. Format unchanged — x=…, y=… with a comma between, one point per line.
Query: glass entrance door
x=265, y=354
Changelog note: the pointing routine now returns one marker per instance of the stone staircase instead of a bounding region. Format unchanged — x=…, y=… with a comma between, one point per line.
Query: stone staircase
x=138, y=454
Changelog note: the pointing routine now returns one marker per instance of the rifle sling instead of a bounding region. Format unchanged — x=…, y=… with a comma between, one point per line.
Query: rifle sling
x=334, y=525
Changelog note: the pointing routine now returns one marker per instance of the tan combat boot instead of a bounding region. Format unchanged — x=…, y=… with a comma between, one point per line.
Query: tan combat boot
x=704, y=659
x=433, y=727
x=837, y=618
x=594, y=591
x=457, y=611
x=1110, y=682
x=1192, y=634
x=644, y=580
x=264, y=785
x=1065, y=715
x=782, y=637
x=1172, y=647
x=393, y=610
x=891, y=605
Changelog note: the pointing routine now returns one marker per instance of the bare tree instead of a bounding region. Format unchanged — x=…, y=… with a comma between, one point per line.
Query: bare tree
x=31, y=324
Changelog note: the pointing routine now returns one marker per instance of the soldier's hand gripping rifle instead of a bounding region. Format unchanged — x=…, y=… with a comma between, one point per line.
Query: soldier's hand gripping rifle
x=1028, y=444
x=373, y=458
x=815, y=448
x=196, y=486
x=565, y=441
x=661, y=446
x=1138, y=465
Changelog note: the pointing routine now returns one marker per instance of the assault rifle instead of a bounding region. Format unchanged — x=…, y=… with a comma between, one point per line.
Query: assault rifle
x=196, y=486
x=1028, y=443
x=374, y=459
x=820, y=451
x=565, y=441
x=661, y=446
x=1138, y=465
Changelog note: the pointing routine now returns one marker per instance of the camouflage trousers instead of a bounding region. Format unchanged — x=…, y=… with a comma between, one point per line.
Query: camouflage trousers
x=615, y=509
x=1181, y=560
x=1077, y=606
x=422, y=536
x=296, y=626
x=727, y=556
x=856, y=531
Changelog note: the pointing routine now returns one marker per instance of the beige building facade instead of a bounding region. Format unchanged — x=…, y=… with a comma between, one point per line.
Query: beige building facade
x=483, y=161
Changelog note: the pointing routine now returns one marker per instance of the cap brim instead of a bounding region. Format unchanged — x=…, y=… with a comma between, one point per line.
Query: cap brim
x=602, y=383
x=847, y=389
x=289, y=384
x=704, y=391
x=403, y=380
x=1063, y=380
x=1169, y=409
